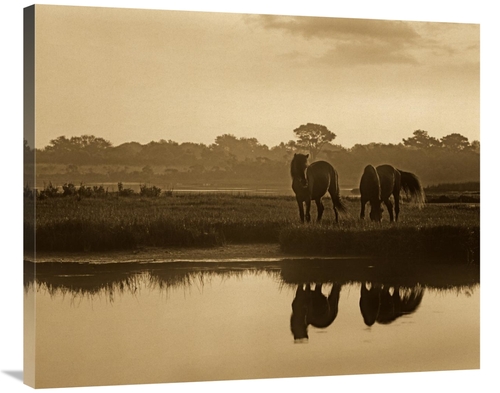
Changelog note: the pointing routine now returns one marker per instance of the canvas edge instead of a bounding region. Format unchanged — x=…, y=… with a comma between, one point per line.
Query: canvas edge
x=29, y=181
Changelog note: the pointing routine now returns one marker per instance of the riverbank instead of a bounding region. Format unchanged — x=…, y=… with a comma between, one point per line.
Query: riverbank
x=228, y=253
x=115, y=271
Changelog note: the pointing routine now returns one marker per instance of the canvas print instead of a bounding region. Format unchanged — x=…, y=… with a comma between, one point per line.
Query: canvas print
x=215, y=196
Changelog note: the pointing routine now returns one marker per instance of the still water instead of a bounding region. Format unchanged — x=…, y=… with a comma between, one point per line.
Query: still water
x=115, y=324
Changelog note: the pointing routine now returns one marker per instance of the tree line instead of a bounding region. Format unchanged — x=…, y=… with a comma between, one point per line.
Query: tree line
x=245, y=161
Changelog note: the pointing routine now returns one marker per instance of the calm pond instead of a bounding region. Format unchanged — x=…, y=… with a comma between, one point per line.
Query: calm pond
x=155, y=323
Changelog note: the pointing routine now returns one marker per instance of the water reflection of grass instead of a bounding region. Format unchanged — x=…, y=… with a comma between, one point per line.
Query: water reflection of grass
x=112, y=279
x=89, y=284
x=114, y=223
x=439, y=276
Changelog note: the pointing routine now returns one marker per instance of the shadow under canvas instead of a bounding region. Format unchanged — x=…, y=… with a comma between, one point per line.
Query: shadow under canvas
x=17, y=374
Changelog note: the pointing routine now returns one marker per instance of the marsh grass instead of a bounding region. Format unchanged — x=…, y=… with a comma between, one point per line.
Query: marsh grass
x=440, y=231
x=72, y=224
x=443, y=242
x=115, y=222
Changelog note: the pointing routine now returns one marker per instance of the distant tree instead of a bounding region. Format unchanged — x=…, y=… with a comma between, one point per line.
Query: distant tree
x=421, y=140
x=312, y=137
x=290, y=146
x=169, y=142
x=455, y=142
x=193, y=150
x=329, y=147
x=87, y=142
x=61, y=143
x=125, y=153
x=226, y=142
x=240, y=148
x=475, y=146
x=90, y=142
x=283, y=151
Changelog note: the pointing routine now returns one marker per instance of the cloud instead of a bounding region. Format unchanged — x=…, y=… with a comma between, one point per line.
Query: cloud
x=342, y=29
x=341, y=42
x=348, y=42
x=367, y=54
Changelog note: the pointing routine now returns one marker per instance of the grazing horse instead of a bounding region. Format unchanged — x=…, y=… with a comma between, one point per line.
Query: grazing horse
x=311, y=182
x=391, y=181
x=369, y=187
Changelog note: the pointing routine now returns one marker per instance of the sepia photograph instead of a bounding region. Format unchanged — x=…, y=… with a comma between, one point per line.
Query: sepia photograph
x=240, y=196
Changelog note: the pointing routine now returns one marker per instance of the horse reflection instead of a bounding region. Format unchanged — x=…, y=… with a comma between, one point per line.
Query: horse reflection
x=312, y=307
x=384, y=304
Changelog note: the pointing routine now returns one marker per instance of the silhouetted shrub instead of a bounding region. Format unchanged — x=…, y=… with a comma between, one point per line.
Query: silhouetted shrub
x=149, y=191
x=49, y=191
x=69, y=189
x=124, y=191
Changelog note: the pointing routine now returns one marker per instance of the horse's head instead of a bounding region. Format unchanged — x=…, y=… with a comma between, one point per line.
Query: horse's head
x=299, y=331
x=298, y=168
x=376, y=213
x=369, y=302
x=300, y=308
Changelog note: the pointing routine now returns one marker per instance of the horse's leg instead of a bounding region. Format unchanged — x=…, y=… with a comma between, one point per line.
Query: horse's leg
x=308, y=209
x=396, y=205
x=335, y=209
x=396, y=191
x=363, y=203
x=320, y=207
x=334, y=297
x=333, y=190
x=301, y=209
x=388, y=203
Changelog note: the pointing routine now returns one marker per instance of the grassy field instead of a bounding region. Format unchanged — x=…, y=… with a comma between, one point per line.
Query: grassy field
x=73, y=224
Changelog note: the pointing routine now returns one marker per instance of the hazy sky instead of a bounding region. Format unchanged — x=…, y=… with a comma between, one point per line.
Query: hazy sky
x=143, y=75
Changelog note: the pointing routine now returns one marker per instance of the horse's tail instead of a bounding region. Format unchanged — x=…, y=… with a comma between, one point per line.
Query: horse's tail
x=337, y=201
x=369, y=186
x=412, y=187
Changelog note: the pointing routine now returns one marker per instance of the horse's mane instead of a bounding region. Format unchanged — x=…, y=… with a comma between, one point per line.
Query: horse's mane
x=298, y=158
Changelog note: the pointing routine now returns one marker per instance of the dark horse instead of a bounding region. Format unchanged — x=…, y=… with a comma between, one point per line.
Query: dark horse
x=379, y=304
x=377, y=186
x=311, y=183
x=311, y=307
